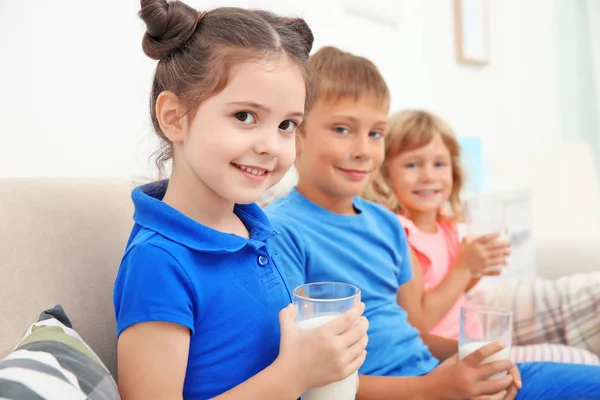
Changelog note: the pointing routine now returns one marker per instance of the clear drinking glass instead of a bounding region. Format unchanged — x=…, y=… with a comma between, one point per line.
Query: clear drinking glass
x=319, y=303
x=480, y=326
x=483, y=220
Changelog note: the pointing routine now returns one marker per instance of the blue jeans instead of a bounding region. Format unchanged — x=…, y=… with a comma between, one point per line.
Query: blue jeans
x=556, y=381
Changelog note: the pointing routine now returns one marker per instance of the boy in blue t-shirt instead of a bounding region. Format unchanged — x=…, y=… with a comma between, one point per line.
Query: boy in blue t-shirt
x=327, y=233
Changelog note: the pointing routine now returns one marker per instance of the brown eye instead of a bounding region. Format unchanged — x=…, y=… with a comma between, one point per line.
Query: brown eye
x=288, y=126
x=245, y=117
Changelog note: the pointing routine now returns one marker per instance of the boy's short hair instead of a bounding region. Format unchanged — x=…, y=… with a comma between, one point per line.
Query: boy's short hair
x=338, y=74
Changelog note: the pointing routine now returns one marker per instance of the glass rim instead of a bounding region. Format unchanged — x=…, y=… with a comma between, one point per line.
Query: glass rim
x=487, y=310
x=296, y=294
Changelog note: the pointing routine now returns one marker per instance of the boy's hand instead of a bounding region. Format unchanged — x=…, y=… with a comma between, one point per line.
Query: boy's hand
x=512, y=391
x=517, y=383
x=326, y=354
x=468, y=378
x=480, y=254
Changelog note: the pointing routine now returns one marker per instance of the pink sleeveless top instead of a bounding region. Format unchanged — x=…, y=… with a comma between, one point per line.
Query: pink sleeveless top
x=436, y=253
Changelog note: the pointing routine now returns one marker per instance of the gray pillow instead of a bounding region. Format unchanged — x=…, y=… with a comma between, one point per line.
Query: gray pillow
x=52, y=362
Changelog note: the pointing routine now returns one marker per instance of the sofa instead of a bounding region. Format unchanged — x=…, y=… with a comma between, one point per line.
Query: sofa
x=61, y=242
x=62, y=239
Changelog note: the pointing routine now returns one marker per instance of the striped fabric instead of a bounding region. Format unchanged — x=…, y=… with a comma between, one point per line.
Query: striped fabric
x=52, y=362
x=553, y=352
x=565, y=311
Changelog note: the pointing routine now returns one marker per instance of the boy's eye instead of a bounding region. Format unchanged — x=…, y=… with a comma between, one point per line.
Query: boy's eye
x=288, y=126
x=341, y=130
x=245, y=117
x=411, y=165
x=440, y=164
x=376, y=135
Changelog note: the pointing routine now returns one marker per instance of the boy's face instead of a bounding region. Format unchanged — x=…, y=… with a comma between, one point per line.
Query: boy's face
x=341, y=145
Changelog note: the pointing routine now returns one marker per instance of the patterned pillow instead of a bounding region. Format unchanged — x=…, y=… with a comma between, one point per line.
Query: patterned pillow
x=52, y=362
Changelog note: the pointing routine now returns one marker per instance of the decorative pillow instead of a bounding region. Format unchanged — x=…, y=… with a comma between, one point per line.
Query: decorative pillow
x=52, y=362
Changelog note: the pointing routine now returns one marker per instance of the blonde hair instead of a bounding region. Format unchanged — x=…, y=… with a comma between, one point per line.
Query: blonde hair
x=339, y=74
x=408, y=130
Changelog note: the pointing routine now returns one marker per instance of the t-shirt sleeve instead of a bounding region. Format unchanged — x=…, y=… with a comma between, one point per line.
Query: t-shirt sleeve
x=409, y=230
x=406, y=272
x=151, y=285
x=289, y=250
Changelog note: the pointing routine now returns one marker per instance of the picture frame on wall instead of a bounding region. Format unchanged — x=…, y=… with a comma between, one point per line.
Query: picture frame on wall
x=472, y=31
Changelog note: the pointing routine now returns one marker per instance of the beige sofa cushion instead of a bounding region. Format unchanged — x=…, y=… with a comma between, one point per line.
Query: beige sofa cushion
x=567, y=212
x=61, y=241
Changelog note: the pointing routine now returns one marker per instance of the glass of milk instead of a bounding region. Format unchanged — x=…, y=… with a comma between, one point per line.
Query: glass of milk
x=480, y=326
x=483, y=218
x=319, y=303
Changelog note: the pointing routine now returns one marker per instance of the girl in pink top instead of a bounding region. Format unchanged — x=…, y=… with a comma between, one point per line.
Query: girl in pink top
x=421, y=180
x=422, y=166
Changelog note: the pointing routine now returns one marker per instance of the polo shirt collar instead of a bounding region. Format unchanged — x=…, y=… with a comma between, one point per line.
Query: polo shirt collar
x=153, y=214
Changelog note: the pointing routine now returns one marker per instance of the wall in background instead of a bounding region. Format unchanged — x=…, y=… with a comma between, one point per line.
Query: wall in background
x=75, y=83
x=578, y=61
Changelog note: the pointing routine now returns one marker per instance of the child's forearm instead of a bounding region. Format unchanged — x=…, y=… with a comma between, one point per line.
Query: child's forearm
x=396, y=388
x=441, y=347
x=471, y=285
x=438, y=301
x=273, y=383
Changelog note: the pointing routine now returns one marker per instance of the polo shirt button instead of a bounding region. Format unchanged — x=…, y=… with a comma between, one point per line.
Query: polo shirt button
x=262, y=261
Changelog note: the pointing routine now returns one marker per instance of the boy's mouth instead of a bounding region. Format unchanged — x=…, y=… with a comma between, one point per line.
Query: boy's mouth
x=354, y=174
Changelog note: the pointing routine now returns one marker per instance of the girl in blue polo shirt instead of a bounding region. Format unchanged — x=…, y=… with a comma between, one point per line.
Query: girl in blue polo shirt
x=197, y=295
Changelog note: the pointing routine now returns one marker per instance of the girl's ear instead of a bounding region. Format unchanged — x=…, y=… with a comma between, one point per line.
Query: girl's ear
x=171, y=113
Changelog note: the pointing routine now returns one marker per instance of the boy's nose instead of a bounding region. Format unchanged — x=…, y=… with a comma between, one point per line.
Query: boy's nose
x=361, y=149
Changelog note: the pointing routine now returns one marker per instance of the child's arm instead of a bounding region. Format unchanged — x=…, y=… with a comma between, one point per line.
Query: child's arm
x=472, y=284
x=473, y=258
x=308, y=358
x=453, y=379
x=153, y=359
x=410, y=297
x=436, y=303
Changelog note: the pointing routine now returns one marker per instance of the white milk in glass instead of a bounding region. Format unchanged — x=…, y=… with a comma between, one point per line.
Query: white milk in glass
x=469, y=348
x=503, y=237
x=342, y=390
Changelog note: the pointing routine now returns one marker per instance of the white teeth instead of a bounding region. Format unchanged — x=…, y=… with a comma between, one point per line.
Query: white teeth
x=252, y=171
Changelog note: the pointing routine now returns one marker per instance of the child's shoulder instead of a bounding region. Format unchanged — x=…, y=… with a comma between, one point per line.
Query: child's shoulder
x=378, y=214
x=447, y=226
x=149, y=245
x=287, y=209
x=374, y=209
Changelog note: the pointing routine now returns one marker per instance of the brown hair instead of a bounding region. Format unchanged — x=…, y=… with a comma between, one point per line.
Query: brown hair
x=338, y=74
x=408, y=130
x=196, y=50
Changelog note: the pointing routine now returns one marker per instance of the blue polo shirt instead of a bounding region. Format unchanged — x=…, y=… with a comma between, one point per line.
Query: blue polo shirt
x=224, y=288
x=368, y=250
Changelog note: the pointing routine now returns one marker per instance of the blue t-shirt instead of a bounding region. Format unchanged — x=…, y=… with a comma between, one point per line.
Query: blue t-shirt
x=368, y=250
x=224, y=288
